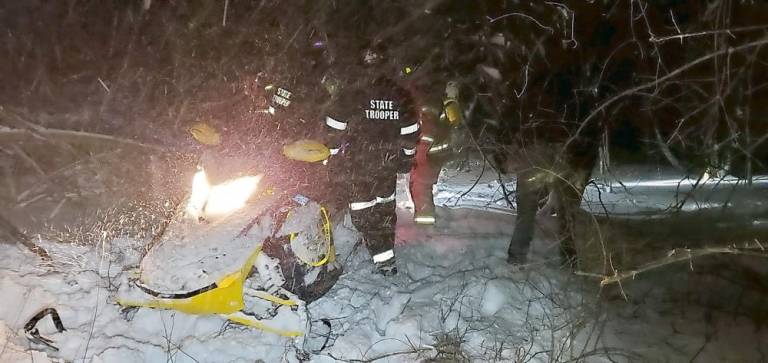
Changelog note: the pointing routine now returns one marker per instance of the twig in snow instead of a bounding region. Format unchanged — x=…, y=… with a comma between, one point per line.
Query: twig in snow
x=7, y=228
x=93, y=322
x=675, y=255
x=525, y=84
x=383, y=356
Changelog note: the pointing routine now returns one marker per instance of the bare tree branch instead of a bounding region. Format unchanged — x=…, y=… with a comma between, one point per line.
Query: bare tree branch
x=7, y=228
x=707, y=32
x=603, y=106
x=673, y=256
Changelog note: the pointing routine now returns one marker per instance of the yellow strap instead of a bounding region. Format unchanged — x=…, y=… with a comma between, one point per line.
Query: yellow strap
x=254, y=323
x=274, y=299
x=237, y=318
x=246, y=269
x=329, y=253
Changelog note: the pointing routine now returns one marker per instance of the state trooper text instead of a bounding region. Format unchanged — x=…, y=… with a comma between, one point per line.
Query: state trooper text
x=282, y=97
x=382, y=110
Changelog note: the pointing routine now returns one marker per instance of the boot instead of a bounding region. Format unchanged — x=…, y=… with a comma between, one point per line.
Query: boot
x=386, y=268
x=424, y=217
x=424, y=213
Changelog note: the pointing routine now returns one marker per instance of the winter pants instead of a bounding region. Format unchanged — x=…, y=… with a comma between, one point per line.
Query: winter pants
x=377, y=224
x=369, y=189
x=424, y=175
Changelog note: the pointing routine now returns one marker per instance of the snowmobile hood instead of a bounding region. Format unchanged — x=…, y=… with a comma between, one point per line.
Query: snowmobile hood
x=194, y=254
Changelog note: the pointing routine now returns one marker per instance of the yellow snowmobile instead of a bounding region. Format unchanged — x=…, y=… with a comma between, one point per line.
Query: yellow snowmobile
x=235, y=250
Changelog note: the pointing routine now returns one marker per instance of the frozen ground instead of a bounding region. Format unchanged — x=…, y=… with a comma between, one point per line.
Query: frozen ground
x=455, y=299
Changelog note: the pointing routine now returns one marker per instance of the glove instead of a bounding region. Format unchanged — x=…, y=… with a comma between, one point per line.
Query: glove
x=306, y=150
x=204, y=133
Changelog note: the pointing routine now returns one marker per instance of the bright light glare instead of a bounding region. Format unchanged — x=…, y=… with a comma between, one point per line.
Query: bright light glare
x=200, y=190
x=231, y=195
x=227, y=197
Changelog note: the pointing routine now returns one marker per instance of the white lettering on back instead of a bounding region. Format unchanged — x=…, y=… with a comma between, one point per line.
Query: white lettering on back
x=282, y=97
x=382, y=110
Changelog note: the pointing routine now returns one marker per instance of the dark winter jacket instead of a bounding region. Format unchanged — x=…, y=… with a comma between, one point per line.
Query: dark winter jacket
x=372, y=131
x=290, y=105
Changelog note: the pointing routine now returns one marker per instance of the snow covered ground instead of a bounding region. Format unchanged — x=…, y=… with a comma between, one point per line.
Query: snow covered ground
x=455, y=294
x=470, y=184
x=455, y=299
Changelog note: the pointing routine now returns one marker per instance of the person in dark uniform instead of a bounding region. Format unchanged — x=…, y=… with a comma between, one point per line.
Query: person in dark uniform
x=372, y=132
x=292, y=98
x=283, y=99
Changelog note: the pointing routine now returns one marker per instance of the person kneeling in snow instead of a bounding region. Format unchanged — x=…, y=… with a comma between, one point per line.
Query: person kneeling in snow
x=304, y=261
x=306, y=258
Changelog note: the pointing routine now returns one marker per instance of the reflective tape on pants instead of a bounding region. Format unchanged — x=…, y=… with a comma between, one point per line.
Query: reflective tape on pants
x=407, y=130
x=362, y=205
x=335, y=124
x=438, y=148
x=371, y=203
x=384, y=256
x=388, y=199
x=424, y=220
